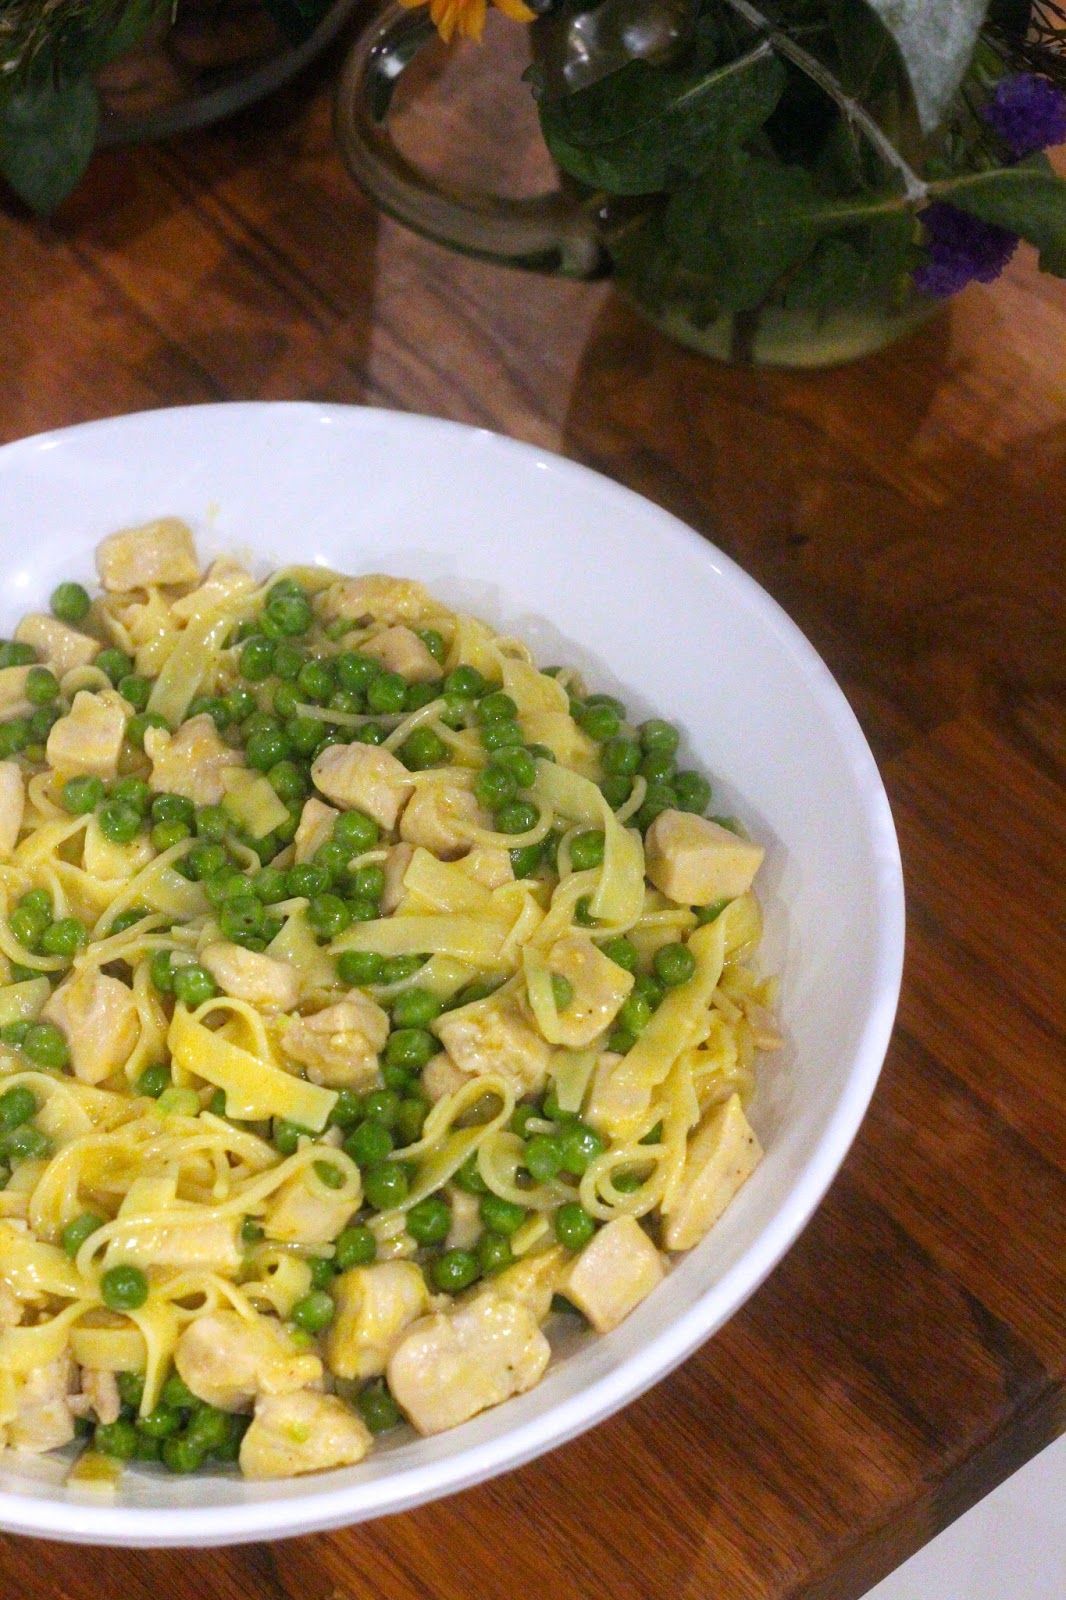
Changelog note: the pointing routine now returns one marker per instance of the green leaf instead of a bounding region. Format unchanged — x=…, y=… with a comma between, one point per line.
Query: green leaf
x=936, y=39
x=1027, y=198
x=47, y=134
x=647, y=128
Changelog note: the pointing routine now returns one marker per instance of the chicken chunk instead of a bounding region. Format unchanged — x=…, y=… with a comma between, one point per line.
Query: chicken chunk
x=101, y=1392
x=99, y=1016
x=227, y=1360
x=722, y=1155
x=302, y=1432
x=104, y=859
x=44, y=1420
x=158, y=552
x=616, y=1270
x=190, y=762
x=532, y=1281
x=304, y=1211
x=489, y=865
x=400, y=650
x=600, y=986
x=374, y=1306
x=59, y=647
x=316, y=827
x=247, y=975
x=496, y=1038
x=452, y=1365
x=12, y=805
x=88, y=740
x=466, y=1225
x=696, y=861
x=362, y=777
x=339, y=1046
x=14, y=701
x=396, y=864
x=225, y=580
x=377, y=598
x=439, y=817
x=441, y=1076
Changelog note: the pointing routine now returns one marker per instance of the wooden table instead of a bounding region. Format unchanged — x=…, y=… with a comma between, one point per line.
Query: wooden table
x=910, y=514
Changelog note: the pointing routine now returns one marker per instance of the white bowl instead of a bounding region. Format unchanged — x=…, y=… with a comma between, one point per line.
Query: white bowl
x=589, y=573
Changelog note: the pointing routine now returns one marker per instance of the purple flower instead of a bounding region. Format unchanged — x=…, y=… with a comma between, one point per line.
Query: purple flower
x=960, y=249
x=1027, y=112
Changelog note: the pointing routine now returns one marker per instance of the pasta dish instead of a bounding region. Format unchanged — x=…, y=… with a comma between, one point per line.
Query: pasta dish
x=369, y=999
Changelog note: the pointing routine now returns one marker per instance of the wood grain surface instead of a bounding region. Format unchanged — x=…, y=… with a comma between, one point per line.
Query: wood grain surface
x=910, y=514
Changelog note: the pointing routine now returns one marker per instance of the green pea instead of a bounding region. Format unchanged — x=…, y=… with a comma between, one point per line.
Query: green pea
x=209, y=705
x=627, y=1182
x=386, y=1185
x=241, y=917
x=621, y=1041
x=693, y=792
x=173, y=808
x=182, y=1455
x=434, y=643
x=648, y=988
x=355, y=672
x=622, y=952
x=39, y=901
x=252, y=1232
x=468, y=1178
x=410, y=1048
x=465, y=681
x=42, y=686
x=281, y=588
x=454, y=1271
x=138, y=726
x=356, y=831
x=126, y=920
x=116, y=1439
x=287, y=1135
x=501, y=735
x=369, y=1144
x=130, y=1389
x=333, y=857
x=371, y=733
x=369, y=882
x=579, y=1146
x=583, y=912
x=70, y=603
x=257, y=659
x=386, y=693
x=14, y=737
x=674, y=964
x=27, y=926
x=316, y=681
x=115, y=664
x=25, y=1144
x=658, y=735
x=161, y=971
x=497, y=707
x=136, y=690
x=501, y=1216
x=167, y=834
x=573, y=1226
x=46, y=1046
x=64, y=938
x=82, y=795
x=347, y=1109
x=240, y=703
x=14, y=1033
x=217, y=1103
x=291, y=615
x=17, y=1105
x=161, y=1423
x=635, y=1014
x=270, y=885
x=517, y=816
x=363, y=910
x=288, y=781
x=266, y=749
x=329, y=1174
x=175, y=1392
x=494, y=1253
x=359, y=967
x=562, y=991
x=423, y=749
x=355, y=1247
x=419, y=695
x=416, y=1008
x=205, y=860
x=193, y=985
x=543, y=1158
x=175, y=1102
x=457, y=712
x=15, y=654
x=328, y=915
x=153, y=1080
x=526, y=859
x=586, y=849
x=621, y=757
x=600, y=722
x=306, y=881
x=410, y=1118
x=518, y=762
x=710, y=913
x=382, y=1105
x=212, y=824
x=494, y=787
x=397, y=968
x=658, y=797
x=124, y=1288
x=429, y=1222
x=377, y=1407
x=524, y=1113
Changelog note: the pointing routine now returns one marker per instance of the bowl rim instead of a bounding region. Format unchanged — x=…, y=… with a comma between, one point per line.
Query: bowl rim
x=280, y=1517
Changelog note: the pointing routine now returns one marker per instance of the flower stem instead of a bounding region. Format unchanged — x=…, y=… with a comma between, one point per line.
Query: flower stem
x=915, y=189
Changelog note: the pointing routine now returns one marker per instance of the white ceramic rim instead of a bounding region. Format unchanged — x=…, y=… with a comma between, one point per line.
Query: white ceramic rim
x=274, y=1519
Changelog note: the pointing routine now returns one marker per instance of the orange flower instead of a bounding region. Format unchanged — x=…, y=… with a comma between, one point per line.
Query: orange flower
x=467, y=17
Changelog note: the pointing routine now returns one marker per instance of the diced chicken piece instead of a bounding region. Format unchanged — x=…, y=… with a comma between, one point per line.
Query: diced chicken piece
x=496, y=1038
x=99, y=1016
x=362, y=777
x=101, y=1391
x=466, y=1225
x=13, y=698
x=400, y=650
x=304, y=1432
x=88, y=740
x=316, y=827
x=489, y=865
x=441, y=1076
x=377, y=598
x=439, y=817
x=158, y=552
x=227, y=1360
x=396, y=864
x=600, y=986
x=248, y=975
x=59, y=647
x=104, y=859
x=722, y=1155
x=374, y=1306
x=696, y=861
x=533, y=1281
x=304, y=1211
x=452, y=1365
x=190, y=762
x=12, y=805
x=44, y=1420
x=339, y=1046
x=616, y=1270
x=225, y=579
